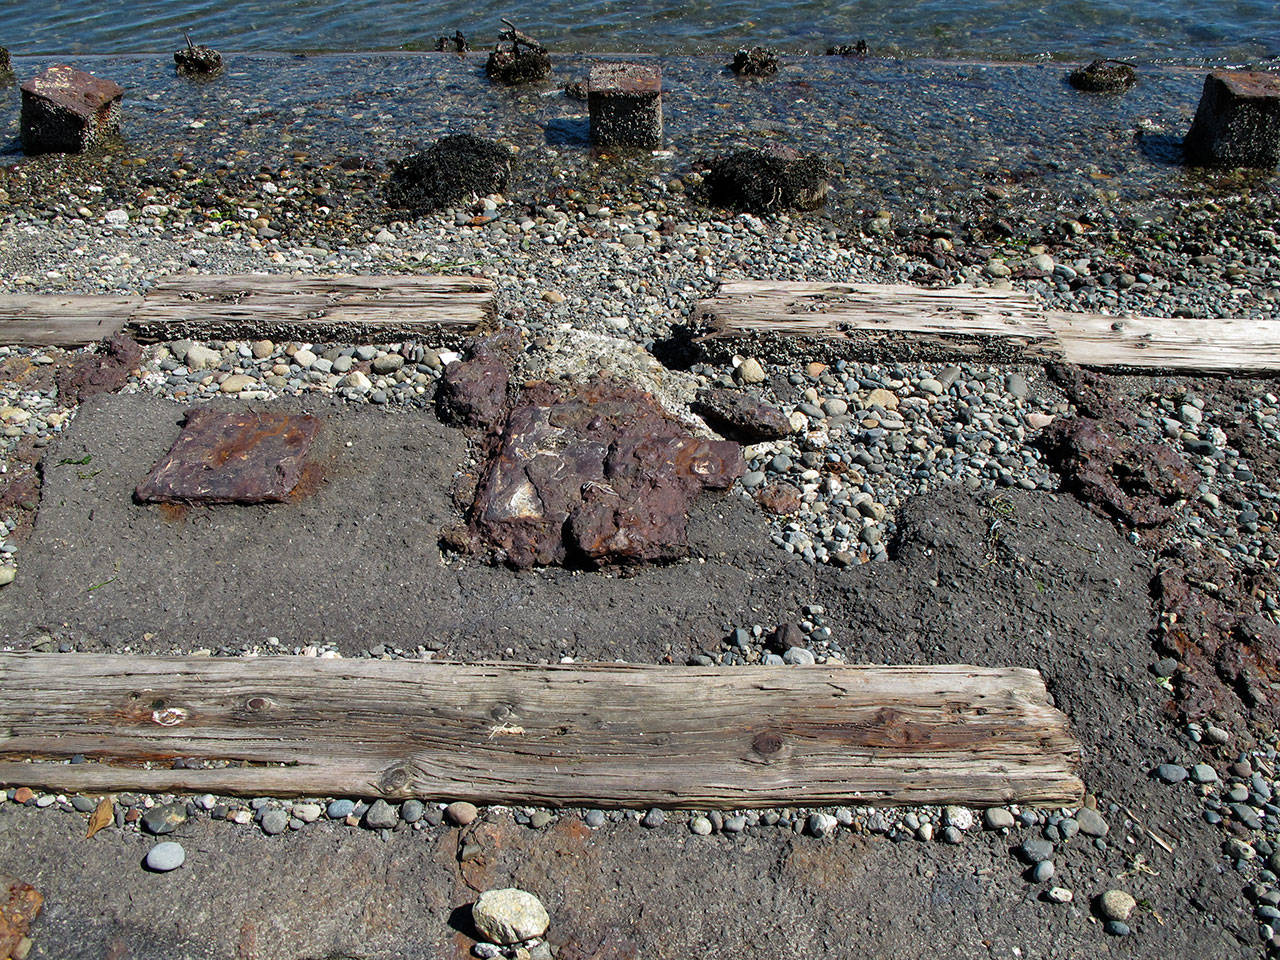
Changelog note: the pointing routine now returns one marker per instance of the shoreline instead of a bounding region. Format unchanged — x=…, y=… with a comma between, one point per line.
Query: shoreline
x=919, y=465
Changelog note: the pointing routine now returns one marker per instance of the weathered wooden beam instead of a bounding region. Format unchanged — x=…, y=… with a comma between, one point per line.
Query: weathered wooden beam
x=879, y=321
x=599, y=735
x=870, y=320
x=249, y=306
x=61, y=320
x=1146, y=343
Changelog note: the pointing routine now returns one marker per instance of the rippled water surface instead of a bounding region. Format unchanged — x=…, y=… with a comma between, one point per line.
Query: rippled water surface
x=1190, y=31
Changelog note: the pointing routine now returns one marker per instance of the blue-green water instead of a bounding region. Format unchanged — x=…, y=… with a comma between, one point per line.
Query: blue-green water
x=1178, y=31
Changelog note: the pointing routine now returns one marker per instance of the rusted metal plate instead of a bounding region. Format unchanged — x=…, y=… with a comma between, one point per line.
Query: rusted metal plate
x=232, y=458
x=590, y=474
x=20, y=904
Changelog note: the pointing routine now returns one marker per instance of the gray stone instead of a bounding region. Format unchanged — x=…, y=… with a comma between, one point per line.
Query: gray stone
x=274, y=821
x=594, y=819
x=1042, y=871
x=509, y=916
x=1116, y=905
x=340, y=809
x=387, y=363
x=1170, y=773
x=1203, y=773
x=380, y=816
x=799, y=656
x=997, y=818
x=164, y=819
x=83, y=804
x=735, y=824
x=1091, y=823
x=1034, y=850
x=654, y=818
x=539, y=819
x=700, y=826
x=411, y=811
x=165, y=856
x=821, y=824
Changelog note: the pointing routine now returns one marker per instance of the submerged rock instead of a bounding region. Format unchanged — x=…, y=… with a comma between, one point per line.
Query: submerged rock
x=197, y=60
x=454, y=169
x=764, y=181
x=1103, y=76
x=525, y=61
x=756, y=62
x=6, y=66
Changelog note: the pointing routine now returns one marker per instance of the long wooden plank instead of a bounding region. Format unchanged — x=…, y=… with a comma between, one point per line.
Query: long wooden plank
x=831, y=321
x=602, y=735
x=249, y=306
x=61, y=320
x=1139, y=343
x=835, y=320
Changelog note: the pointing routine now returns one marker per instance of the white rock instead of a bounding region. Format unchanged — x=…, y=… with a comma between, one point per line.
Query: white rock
x=116, y=218
x=509, y=916
x=166, y=856
x=307, y=812
x=199, y=357
x=959, y=817
x=358, y=381
x=1117, y=905
x=749, y=371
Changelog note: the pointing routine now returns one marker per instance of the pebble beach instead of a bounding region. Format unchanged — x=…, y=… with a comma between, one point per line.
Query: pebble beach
x=992, y=175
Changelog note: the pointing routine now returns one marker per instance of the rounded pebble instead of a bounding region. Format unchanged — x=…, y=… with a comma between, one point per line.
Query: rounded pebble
x=166, y=856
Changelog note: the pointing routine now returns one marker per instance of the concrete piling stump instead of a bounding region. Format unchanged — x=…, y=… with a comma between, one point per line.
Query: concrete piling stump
x=65, y=110
x=1238, y=121
x=625, y=101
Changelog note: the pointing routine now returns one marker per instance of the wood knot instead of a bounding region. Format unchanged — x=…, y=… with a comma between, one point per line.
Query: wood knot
x=258, y=704
x=766, y=743
x=395, y=779
x=169, y=716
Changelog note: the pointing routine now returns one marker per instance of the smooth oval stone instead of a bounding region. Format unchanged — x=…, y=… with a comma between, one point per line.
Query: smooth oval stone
x=166, y=856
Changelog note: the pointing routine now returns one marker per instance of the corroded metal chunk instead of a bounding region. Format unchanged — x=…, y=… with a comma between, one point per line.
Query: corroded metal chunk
x=20, y=904
x=593, y=474
x=232, y=458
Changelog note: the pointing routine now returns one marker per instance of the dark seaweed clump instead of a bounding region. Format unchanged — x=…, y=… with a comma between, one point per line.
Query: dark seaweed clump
x=454, y=169
x=760, y=181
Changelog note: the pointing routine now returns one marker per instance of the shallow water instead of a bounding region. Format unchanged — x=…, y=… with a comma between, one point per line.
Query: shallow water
x=1188, y=31
x=908, y=135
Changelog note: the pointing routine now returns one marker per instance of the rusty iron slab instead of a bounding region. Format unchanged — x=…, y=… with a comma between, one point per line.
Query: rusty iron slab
x=20, y=904
x=232, y=458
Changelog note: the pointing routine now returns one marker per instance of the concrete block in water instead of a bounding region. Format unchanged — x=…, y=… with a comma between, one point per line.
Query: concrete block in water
x=1238, y=121
x=65, y=110
x=625, y=101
